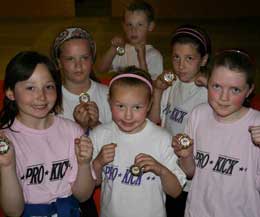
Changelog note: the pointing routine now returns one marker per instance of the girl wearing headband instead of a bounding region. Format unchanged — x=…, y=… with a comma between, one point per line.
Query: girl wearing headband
x=226, y=140
x=132, y=141
x=74, y=51
x=173, y=102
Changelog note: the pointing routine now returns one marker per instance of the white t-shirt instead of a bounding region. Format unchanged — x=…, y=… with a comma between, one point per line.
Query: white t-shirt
x=227, y=177
x=154, y=60
x=177, y=103
x=123, y=194
x=97, y=92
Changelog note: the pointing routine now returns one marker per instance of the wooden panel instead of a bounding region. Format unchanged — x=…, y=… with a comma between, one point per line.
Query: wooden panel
x=37, y=8
x=196, y=9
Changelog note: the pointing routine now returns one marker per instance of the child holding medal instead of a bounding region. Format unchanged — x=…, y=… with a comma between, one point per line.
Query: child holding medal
x=46, y=170
x=133, y=158
x=84, y=99
x=226, y=140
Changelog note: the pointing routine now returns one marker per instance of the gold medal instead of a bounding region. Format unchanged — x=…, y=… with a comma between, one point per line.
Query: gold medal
x=169, y=77
x=84, y=97
x=136, y=170
x=4, y=145
x=120, y=51
x=184, y=140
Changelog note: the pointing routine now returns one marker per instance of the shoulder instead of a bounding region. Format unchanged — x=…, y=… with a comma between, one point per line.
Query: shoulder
x=153, y=52
x=155, y=130
x=255, y=116
x=66, y=124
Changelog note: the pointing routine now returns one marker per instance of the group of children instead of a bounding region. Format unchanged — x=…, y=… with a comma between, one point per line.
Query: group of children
x=60, y=146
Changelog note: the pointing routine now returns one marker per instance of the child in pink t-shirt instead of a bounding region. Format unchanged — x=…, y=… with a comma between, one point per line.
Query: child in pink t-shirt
x=226, y=136
x=46, y=170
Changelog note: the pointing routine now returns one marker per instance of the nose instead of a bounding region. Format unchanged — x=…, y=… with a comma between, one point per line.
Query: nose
x=78, y=64
x=128, y=114
x=133, y=29
x=224, y=95
x=181, y=63
x=41, y=94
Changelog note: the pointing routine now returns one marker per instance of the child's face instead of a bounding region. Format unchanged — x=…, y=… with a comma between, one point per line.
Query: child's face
x=227, y=91
x=136, y=27
x=36, y=96
x=129, y=106
x=187, y=61
x=75, y=60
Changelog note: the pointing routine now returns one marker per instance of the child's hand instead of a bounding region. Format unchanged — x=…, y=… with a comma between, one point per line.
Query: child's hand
x=117, y=41
x=179, y=151
x=83, y=149
x=81, y=115
x=148, y=164
x=160, y=83
x=106, y=154
x=8, y=158
x=255, y=134
x=93, y=114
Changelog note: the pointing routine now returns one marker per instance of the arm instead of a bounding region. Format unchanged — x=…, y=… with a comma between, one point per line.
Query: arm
x=84, y=184
x=169, y=181
x=186, y=160
x=104, y=64
x=105, y=156
x=255, y=134
x=140, y=49
x=159, y=86
x=12, y=201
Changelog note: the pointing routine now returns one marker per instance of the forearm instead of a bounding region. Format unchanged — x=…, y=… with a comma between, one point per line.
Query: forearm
x=155, y=111
x=170, y=183
x=12, y=201
x=104, y=64
x=98, y=170
x=188, y=166
x=84, y=184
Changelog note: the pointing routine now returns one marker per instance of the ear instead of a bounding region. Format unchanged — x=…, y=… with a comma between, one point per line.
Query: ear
x=10, y=94
x=151, y=26
x=204, y=60
x=250, y=90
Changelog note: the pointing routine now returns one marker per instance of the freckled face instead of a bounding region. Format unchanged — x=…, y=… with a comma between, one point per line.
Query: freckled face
x=227, y=91
x=129, y=107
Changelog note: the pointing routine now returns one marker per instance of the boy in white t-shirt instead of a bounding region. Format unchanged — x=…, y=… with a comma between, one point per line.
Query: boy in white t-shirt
x=138, y=23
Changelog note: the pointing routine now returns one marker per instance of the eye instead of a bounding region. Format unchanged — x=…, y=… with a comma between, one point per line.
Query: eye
x=31, y=88
x=137, y=107
x=236, y=90
x=175, y=58
x=216, y=86
x=85, y=57
x=50, y=87
x=119, y=106
x=69, y=58
x=189, y=59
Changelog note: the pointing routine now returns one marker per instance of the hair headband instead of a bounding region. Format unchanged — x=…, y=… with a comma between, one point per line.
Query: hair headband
x=192, y=32
x=243, y=53
x=130, y=75
x=73, y=32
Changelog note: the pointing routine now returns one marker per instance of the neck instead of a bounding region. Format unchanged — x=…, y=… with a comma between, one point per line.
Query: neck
x=77, y=88
x=36, y=123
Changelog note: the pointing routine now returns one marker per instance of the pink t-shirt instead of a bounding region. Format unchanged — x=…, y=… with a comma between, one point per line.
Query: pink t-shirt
x=227, y=177
x=45, y=159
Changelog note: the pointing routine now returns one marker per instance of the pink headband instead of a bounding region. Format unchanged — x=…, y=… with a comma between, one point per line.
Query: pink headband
x=193, y=33
x=130, y=75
